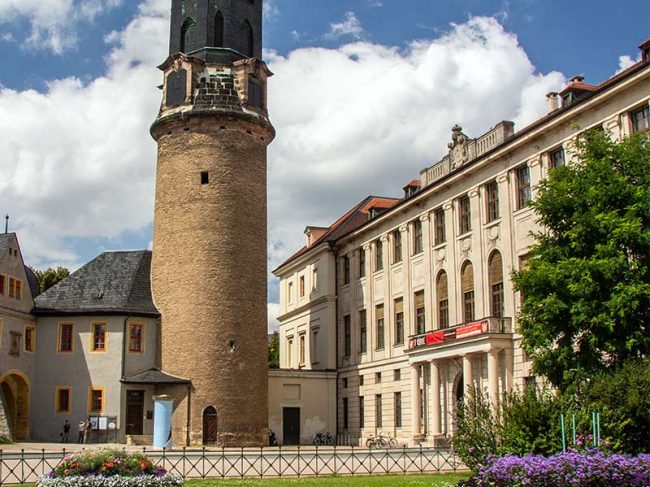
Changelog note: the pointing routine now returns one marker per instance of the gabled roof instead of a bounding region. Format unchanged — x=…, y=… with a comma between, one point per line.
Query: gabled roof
x=353, y=219
x=5, y=240
x=32, y=280
x=114, y=282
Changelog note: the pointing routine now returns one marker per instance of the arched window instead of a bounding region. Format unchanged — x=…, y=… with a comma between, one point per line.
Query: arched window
x=495, y=277
x=255, y=94
x=467, y=280
x=188, y=35
x=442, y=298
x=209, y=426
x=247, y=36
x=218, y=30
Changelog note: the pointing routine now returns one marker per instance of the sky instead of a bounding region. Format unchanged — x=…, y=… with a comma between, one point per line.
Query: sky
x=364, y=96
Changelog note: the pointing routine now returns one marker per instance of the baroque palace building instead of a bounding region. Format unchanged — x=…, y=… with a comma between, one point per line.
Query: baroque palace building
x=410, y=300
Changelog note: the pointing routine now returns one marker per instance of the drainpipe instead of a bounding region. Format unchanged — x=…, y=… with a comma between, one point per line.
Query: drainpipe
x=336, y=334
x=126, y=319
x=189, y=405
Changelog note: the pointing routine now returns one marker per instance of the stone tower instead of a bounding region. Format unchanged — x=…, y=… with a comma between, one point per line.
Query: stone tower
x=209, y=249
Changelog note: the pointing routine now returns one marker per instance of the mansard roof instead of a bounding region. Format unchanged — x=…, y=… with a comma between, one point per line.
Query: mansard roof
x=112, y=283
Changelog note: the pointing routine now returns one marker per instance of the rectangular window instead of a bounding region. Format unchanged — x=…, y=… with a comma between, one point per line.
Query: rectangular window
x=468, y=306
x=96, y=400
x=346, y=270
x=377, y=377
x=492, y=198
x=523, y=187
x=362, y=263
x=314, y=346
x=362, y=413
x=301, y=348
x=497, y=300
x=397, y=246
x=290, y=293
x=556, y=158
x=290, y=353
x=63, y=400
x=397, y=375
x=380, y=326
x=443, y=313
x=347, y=334
x=399, y=321
x=345, y=383
x=398, y=409
x=417, y=237
x=378, y=411
x=420, y=317
x=346, y=416
x=641, y=119
x=314, y=279
x=361, y=380
x=98, y=337
x=30, y=339
x=15, y=288
x=464, y=214
x=65, y=337
x=302, y=286
x=363, y=332
x=136, y=334
x=2, y=284
x=379, y=255
x=439, y=221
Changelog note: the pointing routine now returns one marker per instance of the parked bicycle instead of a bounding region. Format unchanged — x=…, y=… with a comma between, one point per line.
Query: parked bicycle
x=381, y=441
x=324, y=439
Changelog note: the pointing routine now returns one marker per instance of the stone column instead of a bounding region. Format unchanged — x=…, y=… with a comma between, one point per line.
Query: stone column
x=468, y=380
x=508, y=363
x=435, y=398
x=493, y=377
x=428, y=279
x=415, y=400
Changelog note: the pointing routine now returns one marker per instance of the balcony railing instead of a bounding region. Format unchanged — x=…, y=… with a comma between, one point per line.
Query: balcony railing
x=486, y=326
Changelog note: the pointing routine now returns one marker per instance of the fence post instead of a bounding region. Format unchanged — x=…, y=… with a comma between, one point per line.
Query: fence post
x=183, y=474
x=22, y=466
x=404, y=459
x=203, y=462
x=223, y=462
x=261, y=461
x=316, y=460
x=280, y=459
x=421, y=466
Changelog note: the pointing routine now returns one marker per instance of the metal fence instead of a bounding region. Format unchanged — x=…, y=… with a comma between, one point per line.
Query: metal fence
x=26, y=467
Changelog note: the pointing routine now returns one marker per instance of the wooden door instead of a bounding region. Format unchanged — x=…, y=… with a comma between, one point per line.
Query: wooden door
x=291, y=426
x=210, y=433
x=134, y=412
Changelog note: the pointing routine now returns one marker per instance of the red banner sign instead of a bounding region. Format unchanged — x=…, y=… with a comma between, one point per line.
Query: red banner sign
x=440, y=336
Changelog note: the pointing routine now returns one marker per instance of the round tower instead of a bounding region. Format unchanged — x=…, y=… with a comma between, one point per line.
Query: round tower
x=209, y=250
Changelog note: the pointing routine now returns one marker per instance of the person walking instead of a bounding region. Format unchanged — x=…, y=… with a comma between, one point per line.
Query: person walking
x=82, y=431
x=87, y=430
x=66, y=432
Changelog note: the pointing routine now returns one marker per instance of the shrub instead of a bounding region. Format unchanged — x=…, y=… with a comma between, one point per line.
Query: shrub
x=591, y=468
x=108, y=468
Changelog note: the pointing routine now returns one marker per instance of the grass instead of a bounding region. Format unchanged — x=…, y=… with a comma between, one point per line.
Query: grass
x=433, y=480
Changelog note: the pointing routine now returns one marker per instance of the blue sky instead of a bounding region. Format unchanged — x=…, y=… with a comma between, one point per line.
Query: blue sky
x=364, y=95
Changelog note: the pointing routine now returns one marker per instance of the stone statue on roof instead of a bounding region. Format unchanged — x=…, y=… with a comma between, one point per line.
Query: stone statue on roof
x=457, y=147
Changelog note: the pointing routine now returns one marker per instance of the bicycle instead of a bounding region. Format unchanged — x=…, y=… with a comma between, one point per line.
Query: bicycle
x=323, y=439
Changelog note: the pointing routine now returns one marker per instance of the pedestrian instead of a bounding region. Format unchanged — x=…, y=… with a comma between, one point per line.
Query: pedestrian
x=66, y=432
x=82, y=431
x=87, y=430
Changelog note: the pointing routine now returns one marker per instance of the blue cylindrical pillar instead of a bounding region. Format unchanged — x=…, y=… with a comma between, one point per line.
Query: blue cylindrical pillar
x=162, y=421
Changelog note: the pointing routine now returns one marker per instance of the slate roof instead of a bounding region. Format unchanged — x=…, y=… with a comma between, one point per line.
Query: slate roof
x=114, y=282
x=5, y=239
x=32, y=280
x=154, y=376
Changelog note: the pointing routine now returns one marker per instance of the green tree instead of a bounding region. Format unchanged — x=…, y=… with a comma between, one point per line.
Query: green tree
x=586, y=291
x=274, y=351
x=49, y=277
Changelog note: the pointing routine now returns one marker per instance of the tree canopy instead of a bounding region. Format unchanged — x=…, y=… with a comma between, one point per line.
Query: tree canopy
x=274, y=351
x=586, y=291
x=49, y=277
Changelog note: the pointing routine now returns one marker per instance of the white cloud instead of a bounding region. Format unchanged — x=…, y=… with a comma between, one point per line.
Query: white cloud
x=78, y=161
x=349, y=26
x=626, y=61
x=271, y=10
x=53, y=22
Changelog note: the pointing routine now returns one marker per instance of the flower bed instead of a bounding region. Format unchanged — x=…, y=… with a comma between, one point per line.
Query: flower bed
x=108, y=468
x=591, y=468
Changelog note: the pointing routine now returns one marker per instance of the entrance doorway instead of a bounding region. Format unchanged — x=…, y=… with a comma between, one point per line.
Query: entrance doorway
x=15, y=389
x=210, y=426
x=134, y=412
x=291, y=426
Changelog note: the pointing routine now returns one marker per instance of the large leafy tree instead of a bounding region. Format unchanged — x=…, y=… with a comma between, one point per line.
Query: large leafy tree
x=50, y=276
x=586, y=291
x=274, y=351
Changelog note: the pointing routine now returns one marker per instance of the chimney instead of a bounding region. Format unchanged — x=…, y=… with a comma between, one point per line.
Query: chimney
x=645, y=49
x=552, y=101
x=578, y=79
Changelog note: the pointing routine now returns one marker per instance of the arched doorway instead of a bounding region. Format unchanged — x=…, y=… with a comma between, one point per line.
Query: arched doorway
x=15, y=389
x=209, y=426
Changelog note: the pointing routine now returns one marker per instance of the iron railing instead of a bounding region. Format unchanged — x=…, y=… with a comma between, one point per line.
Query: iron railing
x=20, y=467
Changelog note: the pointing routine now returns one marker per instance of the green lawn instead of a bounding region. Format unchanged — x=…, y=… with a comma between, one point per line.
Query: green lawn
x=434, y=480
